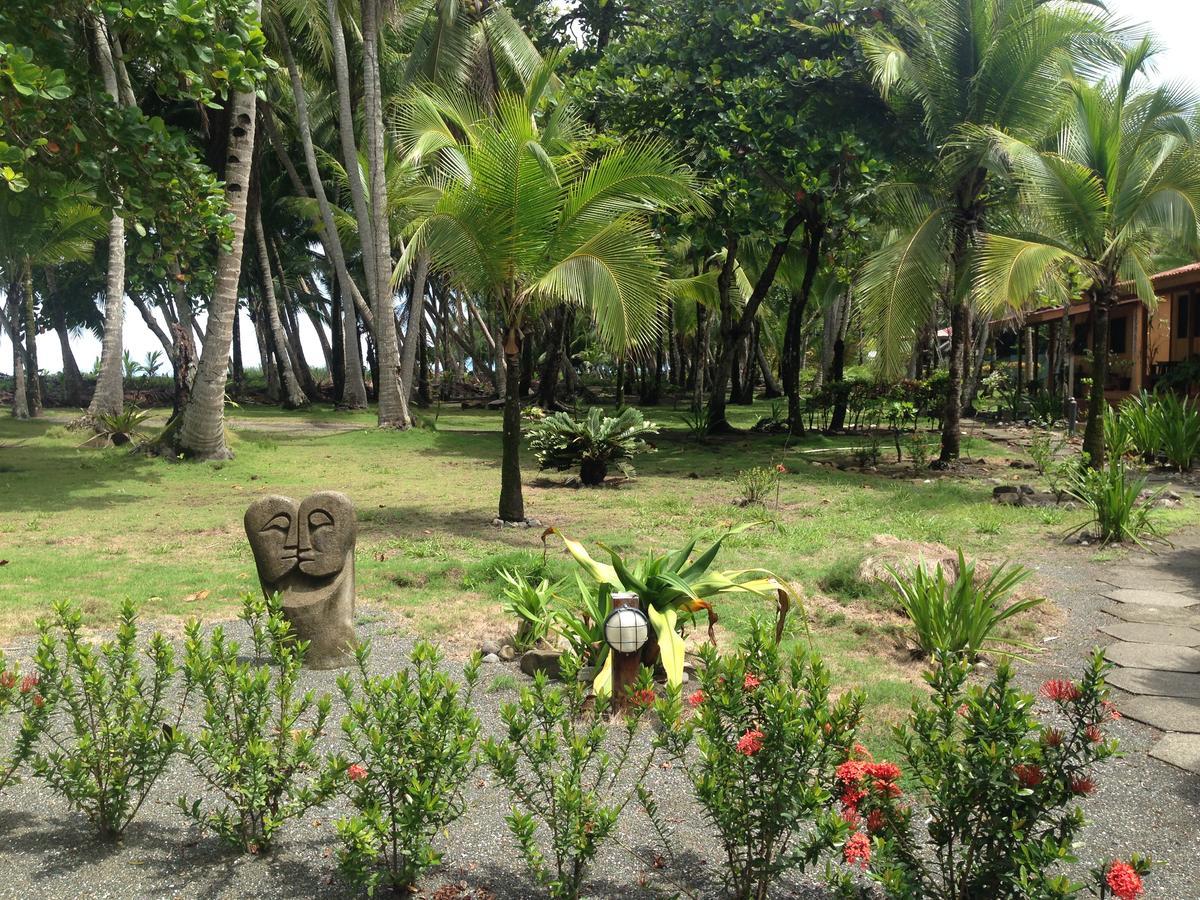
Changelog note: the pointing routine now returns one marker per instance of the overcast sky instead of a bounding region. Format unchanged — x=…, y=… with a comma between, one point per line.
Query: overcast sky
x=1175, y=22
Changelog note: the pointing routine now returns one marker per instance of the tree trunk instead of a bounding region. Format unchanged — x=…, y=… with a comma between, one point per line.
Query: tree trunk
x=342, y=331
x=952, y=416
x=293, y=397
x=72, y=379
x=512, y=502
x=33, y=375
x=202, y=431
x=354, y=391
x=238, y=371
x=414, y=338
x=552, y=365
x=393, y=397
x=1093, y=433
x=814, y=233
x=20, y=398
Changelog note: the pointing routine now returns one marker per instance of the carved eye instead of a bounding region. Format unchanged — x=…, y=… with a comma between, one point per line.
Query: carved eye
x=318, y=518
x=280, y=522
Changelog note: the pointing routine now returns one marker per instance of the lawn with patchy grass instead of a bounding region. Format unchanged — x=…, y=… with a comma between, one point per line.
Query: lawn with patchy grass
x=96, y=526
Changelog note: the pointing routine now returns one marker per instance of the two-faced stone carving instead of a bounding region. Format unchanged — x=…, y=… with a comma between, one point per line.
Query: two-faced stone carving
x=305, y=551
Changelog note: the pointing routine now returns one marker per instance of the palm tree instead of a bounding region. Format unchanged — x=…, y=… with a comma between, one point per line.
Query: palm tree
x=525, y=221
x=967, y=64
x=1122, y=180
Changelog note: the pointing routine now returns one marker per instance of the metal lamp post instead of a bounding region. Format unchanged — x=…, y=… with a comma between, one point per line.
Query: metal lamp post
x=626, y=631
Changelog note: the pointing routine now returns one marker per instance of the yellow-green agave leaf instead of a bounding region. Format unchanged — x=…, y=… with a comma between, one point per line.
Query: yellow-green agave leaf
x=600, y=572
x=670, y=644
x=602, y=683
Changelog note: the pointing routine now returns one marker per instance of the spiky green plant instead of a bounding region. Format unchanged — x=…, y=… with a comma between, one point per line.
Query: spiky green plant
x=593, y=443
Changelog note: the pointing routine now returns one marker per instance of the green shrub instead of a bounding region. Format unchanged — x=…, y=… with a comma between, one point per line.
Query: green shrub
x=1178, y=421
x=1042, y=450
x=867, y=454
x=593, y=443
x=410, y=748
x=959, y=616
x=758, y=483
x=999, y=788
x=582, y=625
x=1118, y=433
x=920, y=449
x=111, y=732
x=1141, y=417
x=20, y=696
x=256, y=745
x=531, y=604
x=123, y=427
x=563, y=777
x=1118, y=508
x=770, y=741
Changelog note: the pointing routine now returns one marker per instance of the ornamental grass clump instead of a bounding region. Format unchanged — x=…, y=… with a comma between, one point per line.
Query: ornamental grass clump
x=20, y=698
x=770, y=741
x=999, y=792
x=409, y=749
x=1121, y=506
x=569, y=782
x=111, y=731
x=256, y=745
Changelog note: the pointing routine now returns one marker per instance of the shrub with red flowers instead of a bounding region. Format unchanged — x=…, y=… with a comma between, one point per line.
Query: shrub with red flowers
x=20, y=697
x=409, y=749
x=770, y=742
x=1000, y=791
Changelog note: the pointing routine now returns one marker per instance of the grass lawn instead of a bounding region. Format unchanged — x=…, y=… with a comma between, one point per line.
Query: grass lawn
x=96, y=526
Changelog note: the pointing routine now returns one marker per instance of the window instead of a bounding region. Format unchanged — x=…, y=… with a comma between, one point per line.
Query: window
x=1117, y=335
x=1182, y=308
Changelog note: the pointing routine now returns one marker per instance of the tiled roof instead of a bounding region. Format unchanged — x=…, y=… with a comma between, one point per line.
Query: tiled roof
x=1182, y=270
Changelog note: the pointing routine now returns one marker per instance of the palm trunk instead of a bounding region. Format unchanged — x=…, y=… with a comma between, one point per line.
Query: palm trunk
x=293, y=396
x=20, y=398
x=72, y=379
x=1093, y=433
x=32, y=374
x=415, y=336
x=393, y=400
x=354, y=389
x=202, y=432
x=814, y=233
x=952, y=416
x=512, y=502
x=109, y=396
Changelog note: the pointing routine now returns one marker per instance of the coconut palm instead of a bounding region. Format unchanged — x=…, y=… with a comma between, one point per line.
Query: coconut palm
x=525, y=221
x=1122, y=180
x=966, y=64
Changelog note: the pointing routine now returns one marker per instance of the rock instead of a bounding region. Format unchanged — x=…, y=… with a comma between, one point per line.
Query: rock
x=548, y=661
x=1002, y=489
x=587, y=674
x=491, y=658
x=490, y=648
x=1021, y=464
x=1008, y=499
x=508, y=653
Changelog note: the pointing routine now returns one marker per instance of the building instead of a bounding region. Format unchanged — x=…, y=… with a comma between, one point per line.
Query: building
x=1146, y=344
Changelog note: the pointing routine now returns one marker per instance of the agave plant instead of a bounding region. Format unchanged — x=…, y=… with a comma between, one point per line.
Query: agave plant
x=531, y=604
x=593, y=443
x=672, y=585
x=121, y=427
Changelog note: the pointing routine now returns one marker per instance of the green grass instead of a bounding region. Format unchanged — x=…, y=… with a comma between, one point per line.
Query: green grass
x=96, y=526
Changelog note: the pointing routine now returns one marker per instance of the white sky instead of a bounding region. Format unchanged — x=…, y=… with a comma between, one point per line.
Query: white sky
x=1175, y=22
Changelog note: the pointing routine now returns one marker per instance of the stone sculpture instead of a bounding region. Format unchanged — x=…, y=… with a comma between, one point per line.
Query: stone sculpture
x=305, y=552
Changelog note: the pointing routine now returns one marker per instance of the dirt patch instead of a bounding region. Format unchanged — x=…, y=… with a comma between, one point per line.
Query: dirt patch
x=887, y=551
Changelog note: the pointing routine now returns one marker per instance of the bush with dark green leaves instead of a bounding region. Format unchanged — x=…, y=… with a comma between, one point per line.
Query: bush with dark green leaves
x=593, y=443
x=21, y=698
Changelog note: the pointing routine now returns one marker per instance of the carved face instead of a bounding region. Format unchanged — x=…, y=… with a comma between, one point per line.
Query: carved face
x=313, y=537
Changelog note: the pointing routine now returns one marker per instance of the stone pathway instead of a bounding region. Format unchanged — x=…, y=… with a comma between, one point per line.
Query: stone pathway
x=1156, y=623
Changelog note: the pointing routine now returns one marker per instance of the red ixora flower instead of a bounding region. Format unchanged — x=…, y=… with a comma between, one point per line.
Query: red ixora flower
x=644, y=697
x=1082, y=786
x=1052, y=737
x=39, y=701
x=751, y=742
x=781, y=469
x=857, y=851
x=28, y=683
x=356, y=772
x=875, y=820
x=1111, y=709
x=1029, y=775
x=751, y=681
x=1123, y=881
x=695, y=699
x=1060, y=690
x=1094, y=734
x=883, y=771
x=7, y=680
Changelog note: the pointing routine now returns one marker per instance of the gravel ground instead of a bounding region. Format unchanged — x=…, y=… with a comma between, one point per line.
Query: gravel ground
x=47, y=851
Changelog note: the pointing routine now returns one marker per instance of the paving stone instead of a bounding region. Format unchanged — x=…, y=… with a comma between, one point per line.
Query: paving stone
x=1164, y=713
x=1154, y=656
x=1154, y=634
x=1152, y=615
x=1165, y=599
x=1182, y=750
x=1139, y=580
x=1156, y=683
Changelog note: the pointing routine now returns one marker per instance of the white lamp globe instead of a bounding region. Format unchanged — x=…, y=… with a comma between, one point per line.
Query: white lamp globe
x=626, y=629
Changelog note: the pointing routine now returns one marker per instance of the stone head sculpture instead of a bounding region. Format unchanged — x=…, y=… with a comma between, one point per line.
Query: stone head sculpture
x=305, y=551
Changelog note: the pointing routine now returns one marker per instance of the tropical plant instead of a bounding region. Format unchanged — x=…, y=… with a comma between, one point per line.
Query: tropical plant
x=1043, y=448
x=111, y=731
x=1141, y=415
x=868, y=452
x=1178, y=423
x=960, y=616
x=671, y=584
x=770, y=741
x=999, y=790
x=697, y=423
x=557, y=764
x=1123, y=176
x=120, y=428
x=919, y=447
x=968, y=64
x=593, y=443
x=20, y=696
x=531, y=604
x=757, y=484
x=1118, y=435
x=1121, y=507
x=410, y=748
x=256, y=746
x=524, y=221
x=582, y=624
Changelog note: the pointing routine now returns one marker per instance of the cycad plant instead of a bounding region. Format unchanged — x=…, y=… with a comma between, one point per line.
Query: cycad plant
x=595, y=442
x=528, y=219
x=1123, y=177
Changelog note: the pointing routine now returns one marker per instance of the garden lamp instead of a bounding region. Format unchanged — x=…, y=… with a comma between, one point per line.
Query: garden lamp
x=626, y=630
